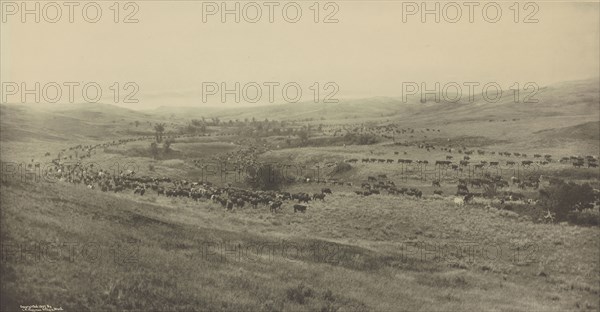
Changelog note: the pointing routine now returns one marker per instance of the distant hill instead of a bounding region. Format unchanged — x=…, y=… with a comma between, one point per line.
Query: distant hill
x=585, y=131
x=562, y=105
x=568, y=98
x=68, y=122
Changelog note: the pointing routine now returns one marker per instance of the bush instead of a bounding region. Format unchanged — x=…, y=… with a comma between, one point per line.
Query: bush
x=267, y=177
x=567, y=200
x=299, y=293
x=589, y=217
x=341, y=167
x=360, y=139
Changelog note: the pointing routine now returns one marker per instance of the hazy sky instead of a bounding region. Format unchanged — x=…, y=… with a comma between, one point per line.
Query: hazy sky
x=170, y=52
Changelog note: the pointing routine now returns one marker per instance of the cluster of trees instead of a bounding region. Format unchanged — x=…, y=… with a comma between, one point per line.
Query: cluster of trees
x=360, y=139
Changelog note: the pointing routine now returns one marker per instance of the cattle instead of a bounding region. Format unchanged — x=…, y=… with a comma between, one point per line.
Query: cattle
x=438, y=192
x=318, y=196
x=326, y=191
x=459, y=201
x=371, y=179
x=301, y=208
x=414, y=192
x=274, y=206
x=302, y=197
x=462, y=190
x=436, y=183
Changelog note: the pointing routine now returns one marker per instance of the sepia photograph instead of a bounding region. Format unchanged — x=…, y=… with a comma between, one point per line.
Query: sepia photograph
x=299, y=155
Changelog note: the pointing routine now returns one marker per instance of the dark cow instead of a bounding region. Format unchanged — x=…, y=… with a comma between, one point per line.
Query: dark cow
x=275, y=206
x=319, y=196
x=301, y=208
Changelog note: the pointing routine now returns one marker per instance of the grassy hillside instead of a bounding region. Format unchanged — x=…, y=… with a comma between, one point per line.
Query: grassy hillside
x=362, y=262
x=22, y=123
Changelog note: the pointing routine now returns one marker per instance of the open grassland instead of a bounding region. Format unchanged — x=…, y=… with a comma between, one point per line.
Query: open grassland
x=365, y=266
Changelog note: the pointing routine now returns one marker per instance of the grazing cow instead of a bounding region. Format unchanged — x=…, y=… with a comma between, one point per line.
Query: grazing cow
x=326, y=191
x=438, y=192
x=436, y=183
x=275, y=206
x=371, y=179
x=462, y=189
x=319, y=196
x=459, y=201
x=301, y=208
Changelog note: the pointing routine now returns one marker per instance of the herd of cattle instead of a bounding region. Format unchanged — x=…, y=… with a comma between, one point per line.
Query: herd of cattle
x=230, y=197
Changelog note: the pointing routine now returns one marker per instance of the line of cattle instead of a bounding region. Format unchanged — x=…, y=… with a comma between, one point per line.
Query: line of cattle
x=576, y=162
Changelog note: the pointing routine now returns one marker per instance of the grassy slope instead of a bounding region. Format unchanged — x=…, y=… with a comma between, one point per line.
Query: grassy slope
x=369, y=272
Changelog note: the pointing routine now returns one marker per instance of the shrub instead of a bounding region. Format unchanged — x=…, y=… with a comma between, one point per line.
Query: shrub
x=589, y=217
x=266, y=177
x=299, y=293
x=341, y=167
x=566, y=200
x=360, y=139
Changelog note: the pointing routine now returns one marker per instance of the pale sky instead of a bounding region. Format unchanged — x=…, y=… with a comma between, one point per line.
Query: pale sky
x=370, y=52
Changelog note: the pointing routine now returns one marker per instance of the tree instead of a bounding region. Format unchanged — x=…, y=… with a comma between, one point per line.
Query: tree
x=159, y=129
x=154, y=150
x=167, y=146
x=137, y=123
x=303, y=135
